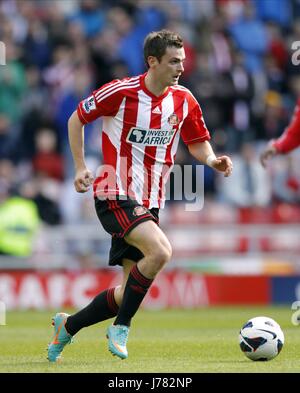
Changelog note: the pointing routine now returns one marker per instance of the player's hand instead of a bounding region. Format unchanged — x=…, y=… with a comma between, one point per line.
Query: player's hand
x=269, y=152
x=223, y=164
x=83, y=180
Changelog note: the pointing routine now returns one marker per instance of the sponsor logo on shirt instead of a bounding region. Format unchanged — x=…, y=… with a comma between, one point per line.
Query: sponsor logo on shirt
x=89, y=104
x=150, y=137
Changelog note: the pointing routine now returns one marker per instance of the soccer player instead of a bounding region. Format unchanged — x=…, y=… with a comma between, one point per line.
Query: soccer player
x=143, y=118
x=288, y=141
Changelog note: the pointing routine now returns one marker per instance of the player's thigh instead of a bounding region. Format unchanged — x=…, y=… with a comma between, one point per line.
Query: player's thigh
x=148, y=238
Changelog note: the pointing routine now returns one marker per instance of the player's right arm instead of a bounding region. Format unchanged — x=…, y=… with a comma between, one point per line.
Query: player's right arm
x=83, y=176
x=103, y=102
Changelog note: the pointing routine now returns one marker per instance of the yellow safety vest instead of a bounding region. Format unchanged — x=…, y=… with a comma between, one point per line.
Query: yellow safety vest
x=19, y=220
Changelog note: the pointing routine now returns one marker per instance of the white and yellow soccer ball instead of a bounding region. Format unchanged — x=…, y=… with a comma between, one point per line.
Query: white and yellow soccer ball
x=261, y=338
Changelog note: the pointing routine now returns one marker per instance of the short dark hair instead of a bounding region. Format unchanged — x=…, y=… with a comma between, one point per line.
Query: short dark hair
x=156, y=43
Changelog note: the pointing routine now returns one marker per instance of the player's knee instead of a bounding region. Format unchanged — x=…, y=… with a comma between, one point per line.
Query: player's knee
x=168, y=251
x=160, y=255
x=118, y=294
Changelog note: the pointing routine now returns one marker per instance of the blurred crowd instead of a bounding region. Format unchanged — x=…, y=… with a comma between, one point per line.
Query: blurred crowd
x=238, y=66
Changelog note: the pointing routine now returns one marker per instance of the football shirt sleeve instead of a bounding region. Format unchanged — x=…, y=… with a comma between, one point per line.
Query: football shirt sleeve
x=194, y=129
x=290, y=139
x=102, y=102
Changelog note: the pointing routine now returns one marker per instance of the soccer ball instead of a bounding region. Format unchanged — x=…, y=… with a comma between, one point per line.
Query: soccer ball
x=261, y=338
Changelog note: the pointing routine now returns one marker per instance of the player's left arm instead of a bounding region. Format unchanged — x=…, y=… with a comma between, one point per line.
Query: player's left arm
x=204, y=153
x=196, y=137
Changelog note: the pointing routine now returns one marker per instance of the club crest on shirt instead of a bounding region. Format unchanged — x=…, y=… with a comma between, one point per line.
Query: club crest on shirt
x=139, y=210
x=89, y=104
x=173, y=119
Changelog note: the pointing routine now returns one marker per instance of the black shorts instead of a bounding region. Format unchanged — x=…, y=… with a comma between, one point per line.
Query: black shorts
x=118, y=217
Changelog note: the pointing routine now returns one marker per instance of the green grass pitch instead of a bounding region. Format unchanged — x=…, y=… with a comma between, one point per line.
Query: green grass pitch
x=200, y=341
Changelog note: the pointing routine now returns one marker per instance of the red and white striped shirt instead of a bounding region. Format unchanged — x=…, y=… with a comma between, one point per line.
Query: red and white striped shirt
x=140, y=136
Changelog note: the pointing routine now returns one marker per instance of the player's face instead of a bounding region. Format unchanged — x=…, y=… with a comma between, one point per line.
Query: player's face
x=170, y=67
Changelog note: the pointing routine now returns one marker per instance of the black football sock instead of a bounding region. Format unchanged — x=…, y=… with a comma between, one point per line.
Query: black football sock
x=102, y=307
x=135, y=290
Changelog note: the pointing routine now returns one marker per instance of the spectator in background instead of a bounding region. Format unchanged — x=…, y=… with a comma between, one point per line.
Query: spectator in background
x=48, y=174
x=249, y=185
x=59, y=17
x=37, y=48
x=59, y=76
x=19, y=221
x=44, y=194
x=190, y=11
x=274, y=75
x=238, y=105
x=35, y=111
x=90, y=16
x=12, y=92
x=231, y=9
x=279, y=11
x=273, y=119
x=221, y=44
x=250, y=35
x=7, y=137
x=66, y=103
x=8, y=177
x=77, y=208
x=132, y=24
x=103, y=52
x=288, y=141
x=38, y=98
x=47, y=161
x=13, y=84
x=81, y=51
x=204, y=84
x=277, y=45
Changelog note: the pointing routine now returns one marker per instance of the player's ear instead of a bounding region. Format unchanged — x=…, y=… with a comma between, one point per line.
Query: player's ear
x=152, y=61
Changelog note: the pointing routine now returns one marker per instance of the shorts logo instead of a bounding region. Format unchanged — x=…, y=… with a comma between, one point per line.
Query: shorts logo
x=139, y=211
x=150, y=137
x=173, y=119
x=89, y=104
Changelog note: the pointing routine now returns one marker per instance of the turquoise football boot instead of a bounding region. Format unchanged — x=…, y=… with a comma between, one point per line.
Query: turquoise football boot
x=61, y=337
x=117, y=338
